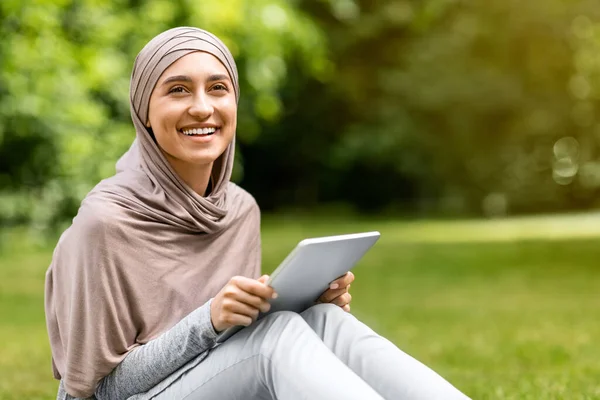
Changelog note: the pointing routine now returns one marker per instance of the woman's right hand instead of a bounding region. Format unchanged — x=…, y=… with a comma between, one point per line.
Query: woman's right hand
x=240, y=301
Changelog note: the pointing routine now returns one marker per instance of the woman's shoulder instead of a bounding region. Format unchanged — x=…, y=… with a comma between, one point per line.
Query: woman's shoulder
x=113, y=203
x=243, y=197
x=124, y=183
x=106, y=205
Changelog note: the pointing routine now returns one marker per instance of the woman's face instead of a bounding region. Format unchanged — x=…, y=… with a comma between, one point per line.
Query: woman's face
x=193, y=111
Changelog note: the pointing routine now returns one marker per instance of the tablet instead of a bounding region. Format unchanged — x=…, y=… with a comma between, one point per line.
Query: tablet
x=309, y=269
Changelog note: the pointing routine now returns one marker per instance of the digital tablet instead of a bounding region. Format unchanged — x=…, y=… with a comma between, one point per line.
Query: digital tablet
x=309, y=270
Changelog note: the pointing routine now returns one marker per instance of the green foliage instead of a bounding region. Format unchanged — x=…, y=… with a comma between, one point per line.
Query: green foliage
x=482, y=106
x=462, y=107
x=64, y=81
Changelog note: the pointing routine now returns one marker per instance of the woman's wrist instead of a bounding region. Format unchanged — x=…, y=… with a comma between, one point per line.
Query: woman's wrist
x=212, y=314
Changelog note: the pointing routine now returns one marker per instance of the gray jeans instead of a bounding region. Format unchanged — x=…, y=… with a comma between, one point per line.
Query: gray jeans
x=323, y=353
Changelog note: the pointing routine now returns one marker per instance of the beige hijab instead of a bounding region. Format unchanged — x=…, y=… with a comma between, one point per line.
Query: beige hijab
x=144, y=249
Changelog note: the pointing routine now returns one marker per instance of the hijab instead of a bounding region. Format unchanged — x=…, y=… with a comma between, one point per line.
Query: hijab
x=144, y=249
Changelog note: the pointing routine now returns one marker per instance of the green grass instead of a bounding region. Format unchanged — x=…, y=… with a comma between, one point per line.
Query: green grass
x=500, y=319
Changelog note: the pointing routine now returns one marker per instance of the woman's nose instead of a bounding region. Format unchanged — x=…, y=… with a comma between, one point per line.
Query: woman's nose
x=201, y=106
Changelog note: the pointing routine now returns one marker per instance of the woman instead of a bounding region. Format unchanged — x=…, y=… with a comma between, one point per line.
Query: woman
x=165, y=254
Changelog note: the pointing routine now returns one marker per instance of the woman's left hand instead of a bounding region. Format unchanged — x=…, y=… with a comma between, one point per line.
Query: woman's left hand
x=338, y=292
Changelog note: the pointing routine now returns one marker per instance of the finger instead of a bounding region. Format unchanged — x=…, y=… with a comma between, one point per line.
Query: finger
x=253, y=286
x=263, y=279
x=236, y=307
x=249, y=299
x=342, y=300
x=331, y=294
x=234, y=319
x=343, y=281
x=346, y=308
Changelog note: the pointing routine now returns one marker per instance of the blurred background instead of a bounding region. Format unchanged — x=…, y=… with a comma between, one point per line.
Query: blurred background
x=467, y=132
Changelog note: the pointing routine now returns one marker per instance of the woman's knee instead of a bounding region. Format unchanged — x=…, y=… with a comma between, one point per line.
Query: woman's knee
x=281, y=317
x=325, y=319
x=326, y=309
x=277, y=323
x=322, y=312
x=280, y=330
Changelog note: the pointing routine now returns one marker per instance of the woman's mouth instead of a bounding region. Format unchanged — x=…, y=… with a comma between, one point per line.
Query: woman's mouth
x=199, y=131
x=200, y=135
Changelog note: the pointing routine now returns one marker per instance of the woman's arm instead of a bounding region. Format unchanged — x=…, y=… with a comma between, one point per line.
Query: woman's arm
x=149, y=364
x=238, y=303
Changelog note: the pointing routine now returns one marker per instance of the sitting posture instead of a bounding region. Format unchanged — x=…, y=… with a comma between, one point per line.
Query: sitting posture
x=165, y=254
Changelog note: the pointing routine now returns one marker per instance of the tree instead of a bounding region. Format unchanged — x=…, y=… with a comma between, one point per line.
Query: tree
x=64, y=80
x=471, y=107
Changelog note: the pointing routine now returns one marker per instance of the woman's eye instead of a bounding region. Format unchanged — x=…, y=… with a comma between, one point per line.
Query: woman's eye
x=219, y=86
x=177, y=89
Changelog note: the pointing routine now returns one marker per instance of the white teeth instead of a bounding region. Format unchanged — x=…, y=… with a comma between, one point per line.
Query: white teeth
x=198, y=131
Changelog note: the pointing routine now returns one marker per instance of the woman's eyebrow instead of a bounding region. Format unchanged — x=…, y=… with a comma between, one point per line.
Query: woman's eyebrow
x=217, y=77
x=185, y=78
x=177, y=78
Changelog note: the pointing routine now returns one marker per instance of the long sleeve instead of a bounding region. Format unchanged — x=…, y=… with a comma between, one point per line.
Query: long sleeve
x=149, y=364
x=152, y=362
x=130, y=343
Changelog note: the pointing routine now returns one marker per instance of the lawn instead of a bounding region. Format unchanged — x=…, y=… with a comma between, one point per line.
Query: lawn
x=500, y=318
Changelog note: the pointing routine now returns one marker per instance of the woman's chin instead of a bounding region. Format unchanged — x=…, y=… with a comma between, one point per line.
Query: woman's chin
x=205, y=158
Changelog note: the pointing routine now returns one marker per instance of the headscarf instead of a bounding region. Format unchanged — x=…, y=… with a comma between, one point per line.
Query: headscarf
x=145, y=250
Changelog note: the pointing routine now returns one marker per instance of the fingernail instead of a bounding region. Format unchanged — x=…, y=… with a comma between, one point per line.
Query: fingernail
x=334, y=286
x=274, y=295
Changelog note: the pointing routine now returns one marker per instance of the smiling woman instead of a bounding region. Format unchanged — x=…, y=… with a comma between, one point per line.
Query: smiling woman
x=192, y=114
x=166, y=254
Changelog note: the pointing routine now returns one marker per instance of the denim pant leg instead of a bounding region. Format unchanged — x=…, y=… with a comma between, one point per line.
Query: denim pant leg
x=391, y=372
x=279, y=357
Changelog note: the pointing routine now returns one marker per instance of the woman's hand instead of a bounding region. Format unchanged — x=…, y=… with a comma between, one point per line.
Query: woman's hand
x=338, y=292
x=240, y=301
